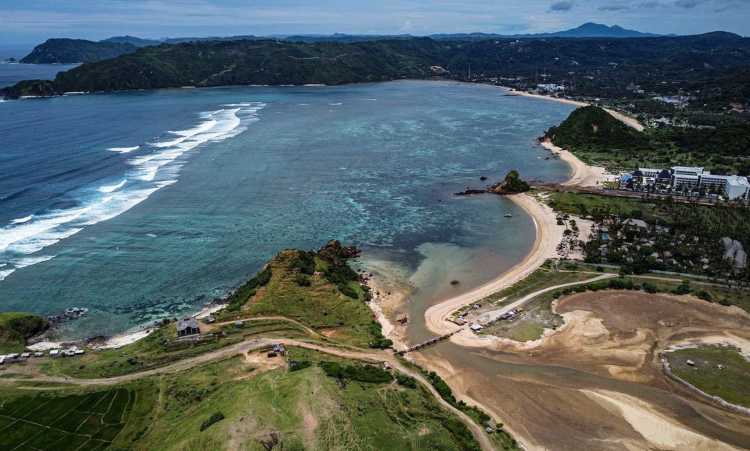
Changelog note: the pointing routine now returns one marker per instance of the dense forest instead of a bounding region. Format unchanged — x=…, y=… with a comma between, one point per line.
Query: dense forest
x=64, y=51
x=597, y=137
x=601, y=67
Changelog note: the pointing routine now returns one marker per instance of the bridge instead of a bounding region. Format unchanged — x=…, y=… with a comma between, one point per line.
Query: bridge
x=427, y=343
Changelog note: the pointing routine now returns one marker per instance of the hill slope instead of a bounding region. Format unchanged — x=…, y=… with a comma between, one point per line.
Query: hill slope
x=16, y=328
x=69, y=51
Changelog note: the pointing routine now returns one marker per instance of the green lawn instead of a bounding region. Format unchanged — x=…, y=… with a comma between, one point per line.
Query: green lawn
x=76, y=420
x=731, y=383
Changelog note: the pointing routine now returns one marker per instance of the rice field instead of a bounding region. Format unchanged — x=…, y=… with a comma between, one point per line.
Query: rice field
x=64, y=423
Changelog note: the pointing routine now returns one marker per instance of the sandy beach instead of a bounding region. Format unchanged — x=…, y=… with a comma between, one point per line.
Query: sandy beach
x=581, y=173
x=548, y=236
x=625, y=119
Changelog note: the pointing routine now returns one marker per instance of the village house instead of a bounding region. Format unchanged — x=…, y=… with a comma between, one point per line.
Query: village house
x=187, y=327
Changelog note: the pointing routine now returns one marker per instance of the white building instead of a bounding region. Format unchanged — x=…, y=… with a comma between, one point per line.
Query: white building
x=735, y=187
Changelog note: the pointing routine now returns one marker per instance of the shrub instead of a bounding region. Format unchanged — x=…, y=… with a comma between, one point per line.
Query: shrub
x=296, y=365
x=239, y=297
x=302, y=280
x=213, y=419
x=705, y=295
x=683, y=288
x=649, y=287
x=361, y=373
x=406, y=381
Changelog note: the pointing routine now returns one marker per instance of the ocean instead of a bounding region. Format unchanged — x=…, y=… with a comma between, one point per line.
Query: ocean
x=12, y=73
x=144, y=205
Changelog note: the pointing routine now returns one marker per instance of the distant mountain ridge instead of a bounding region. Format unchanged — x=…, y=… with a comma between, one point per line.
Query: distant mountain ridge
x=617, y=62
x=66, y=51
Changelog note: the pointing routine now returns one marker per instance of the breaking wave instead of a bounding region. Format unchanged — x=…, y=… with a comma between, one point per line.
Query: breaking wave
x=149, y=173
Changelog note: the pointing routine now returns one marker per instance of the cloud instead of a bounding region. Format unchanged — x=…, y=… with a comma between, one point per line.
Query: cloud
x=687, y=4
x=561, y=6
x=614, y=8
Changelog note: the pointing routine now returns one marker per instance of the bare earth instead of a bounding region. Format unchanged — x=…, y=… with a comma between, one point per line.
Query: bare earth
x=595, y=383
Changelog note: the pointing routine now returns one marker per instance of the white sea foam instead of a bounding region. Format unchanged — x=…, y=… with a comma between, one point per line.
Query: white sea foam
x=5, y=273
x=22, y=220
x=28, y=261
x=335, y=104
x=111, y=188
x=124, y=149
x=25, y=236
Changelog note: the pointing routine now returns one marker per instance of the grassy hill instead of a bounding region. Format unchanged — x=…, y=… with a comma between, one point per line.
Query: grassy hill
x=318, y=289
x=16, y=328
x=594, y=135
x=249, y=403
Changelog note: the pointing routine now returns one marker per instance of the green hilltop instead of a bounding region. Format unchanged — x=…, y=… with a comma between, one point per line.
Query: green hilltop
x=16, y=328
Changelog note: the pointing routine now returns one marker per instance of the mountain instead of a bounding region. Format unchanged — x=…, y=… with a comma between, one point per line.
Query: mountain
x=132, y=40
x=587, y=30
x=68, y=51
x=592, y=67
x=596, y=30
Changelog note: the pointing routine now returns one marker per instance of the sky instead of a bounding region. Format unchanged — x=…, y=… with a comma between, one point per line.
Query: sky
x=29, y=22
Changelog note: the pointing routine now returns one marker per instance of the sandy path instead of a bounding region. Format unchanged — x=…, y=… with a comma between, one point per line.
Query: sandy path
x=548, y=235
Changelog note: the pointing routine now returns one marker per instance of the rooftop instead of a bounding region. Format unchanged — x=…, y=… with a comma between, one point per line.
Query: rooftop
x=187, y=323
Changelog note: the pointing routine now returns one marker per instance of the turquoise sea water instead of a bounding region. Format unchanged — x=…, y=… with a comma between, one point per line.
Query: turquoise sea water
x=147, y=204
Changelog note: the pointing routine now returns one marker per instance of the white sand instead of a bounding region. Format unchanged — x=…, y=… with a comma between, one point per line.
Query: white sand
x=118, y=341
x=658, y=430
x=625, y=119
x=581, y=173
x=548, y=236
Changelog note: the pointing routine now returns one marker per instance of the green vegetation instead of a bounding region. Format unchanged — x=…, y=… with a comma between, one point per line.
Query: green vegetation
x=718, y=371
x=82, y=420
x=511, y=184
x=66, y=51
x=590, y=131
x=157, y=349
x=213, y=419
x=688, y=234
x=504, y=440
x=360, y=373
x=598, y=138
x=16, y=328
x=332, y=300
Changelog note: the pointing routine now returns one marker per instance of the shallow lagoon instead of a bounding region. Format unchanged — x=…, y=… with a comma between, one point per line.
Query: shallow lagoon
x=185, y=193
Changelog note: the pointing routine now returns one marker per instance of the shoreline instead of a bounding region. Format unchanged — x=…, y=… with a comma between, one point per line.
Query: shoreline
x=548, y=236
x=622, y=117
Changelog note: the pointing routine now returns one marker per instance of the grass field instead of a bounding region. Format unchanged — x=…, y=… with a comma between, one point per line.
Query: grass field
x=313, y=300
x=155, y=350
x=81, y=421
x=296, y=410
x=236, y=404
x=731, y=382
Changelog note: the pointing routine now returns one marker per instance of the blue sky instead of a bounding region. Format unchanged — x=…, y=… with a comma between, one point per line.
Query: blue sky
x=31, y=21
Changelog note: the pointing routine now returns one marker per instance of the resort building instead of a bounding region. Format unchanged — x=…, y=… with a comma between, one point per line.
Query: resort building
x=687, y=179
